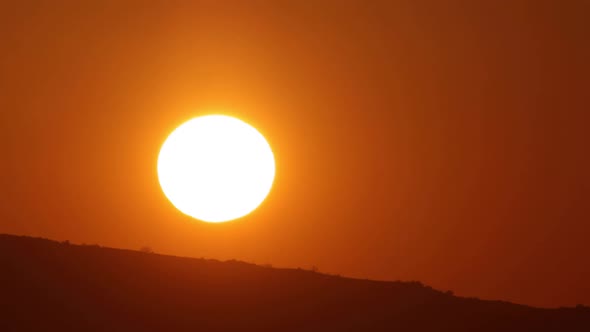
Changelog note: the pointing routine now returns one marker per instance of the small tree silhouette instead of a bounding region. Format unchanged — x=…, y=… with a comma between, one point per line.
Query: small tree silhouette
x=146, y=250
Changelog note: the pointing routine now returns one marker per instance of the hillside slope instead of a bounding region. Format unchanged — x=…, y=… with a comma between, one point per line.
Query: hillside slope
x=50, y=286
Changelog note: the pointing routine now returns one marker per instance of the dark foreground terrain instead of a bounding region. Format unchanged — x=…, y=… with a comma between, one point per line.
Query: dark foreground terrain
x=51, y=286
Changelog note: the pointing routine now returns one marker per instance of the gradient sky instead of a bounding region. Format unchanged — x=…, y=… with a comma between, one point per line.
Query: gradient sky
x=440, y=141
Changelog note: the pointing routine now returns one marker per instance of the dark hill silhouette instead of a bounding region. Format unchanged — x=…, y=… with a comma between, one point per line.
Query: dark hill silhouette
x=52, y=286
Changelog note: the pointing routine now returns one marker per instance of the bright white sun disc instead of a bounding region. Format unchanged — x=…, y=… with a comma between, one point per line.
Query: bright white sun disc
x=216, y=168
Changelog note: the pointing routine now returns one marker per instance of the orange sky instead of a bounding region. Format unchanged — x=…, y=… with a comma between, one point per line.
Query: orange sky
x=440, y=141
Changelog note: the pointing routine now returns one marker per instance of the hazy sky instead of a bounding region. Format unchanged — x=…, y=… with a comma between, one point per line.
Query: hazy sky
x=440, y=141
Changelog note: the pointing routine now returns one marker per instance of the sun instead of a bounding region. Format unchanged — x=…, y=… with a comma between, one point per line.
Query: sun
x=216, y=168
